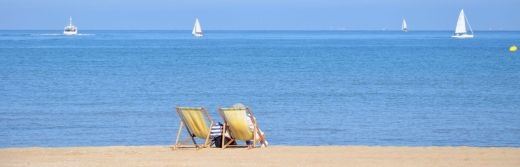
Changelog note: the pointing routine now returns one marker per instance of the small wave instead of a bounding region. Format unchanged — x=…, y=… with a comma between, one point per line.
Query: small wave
x=86, y=34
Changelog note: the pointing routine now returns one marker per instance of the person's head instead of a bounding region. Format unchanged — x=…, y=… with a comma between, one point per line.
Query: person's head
x=239, y=105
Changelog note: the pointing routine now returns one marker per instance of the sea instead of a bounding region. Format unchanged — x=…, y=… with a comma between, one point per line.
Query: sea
x=373, y=88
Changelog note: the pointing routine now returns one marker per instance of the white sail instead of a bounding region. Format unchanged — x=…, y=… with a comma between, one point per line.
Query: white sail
x=197, y=30
x=461, y=30
x=404, y=27
x=461, y=23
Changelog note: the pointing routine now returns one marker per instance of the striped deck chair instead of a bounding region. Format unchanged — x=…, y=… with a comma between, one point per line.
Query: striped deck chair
x=196, y=125
x=240, y=124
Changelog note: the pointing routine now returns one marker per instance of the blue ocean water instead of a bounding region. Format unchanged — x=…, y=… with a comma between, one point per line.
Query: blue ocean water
x=305, y=87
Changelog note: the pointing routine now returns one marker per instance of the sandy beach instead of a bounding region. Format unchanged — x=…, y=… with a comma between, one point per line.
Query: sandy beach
x=360, y=156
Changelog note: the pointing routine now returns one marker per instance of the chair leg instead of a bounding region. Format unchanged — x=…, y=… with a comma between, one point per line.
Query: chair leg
x=255, y=135
x=178, y=136
x=222, y=144
x=179, y=144
x=228, y=143
x=192, y=138
x=206, y=143
x=261, y=137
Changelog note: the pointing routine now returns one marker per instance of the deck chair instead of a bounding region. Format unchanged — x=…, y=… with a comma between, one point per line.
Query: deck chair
x=196, y=125
x=238, y=126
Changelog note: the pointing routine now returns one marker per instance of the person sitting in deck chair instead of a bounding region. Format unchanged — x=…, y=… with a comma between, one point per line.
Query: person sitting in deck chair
x=251, y=126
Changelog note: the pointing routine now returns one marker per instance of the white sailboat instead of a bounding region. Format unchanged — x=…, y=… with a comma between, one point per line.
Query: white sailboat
x=197, y=30
x=461, y=30
x=404, y=27
x=70, y=29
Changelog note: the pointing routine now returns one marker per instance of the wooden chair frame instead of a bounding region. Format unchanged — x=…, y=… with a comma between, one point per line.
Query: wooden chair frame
x=182, y=143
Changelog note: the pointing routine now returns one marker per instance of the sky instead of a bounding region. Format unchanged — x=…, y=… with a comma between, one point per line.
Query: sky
x=258, y=14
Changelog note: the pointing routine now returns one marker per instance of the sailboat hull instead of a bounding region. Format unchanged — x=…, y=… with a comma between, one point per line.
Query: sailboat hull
x=197, y=35
x=70, y=32
x=462, y=36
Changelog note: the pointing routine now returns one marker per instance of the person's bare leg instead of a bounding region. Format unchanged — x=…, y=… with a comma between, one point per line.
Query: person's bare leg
x=263, y=142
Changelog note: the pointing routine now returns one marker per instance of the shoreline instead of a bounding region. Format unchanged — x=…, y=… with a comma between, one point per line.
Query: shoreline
x=158, y=156
x=213, y=147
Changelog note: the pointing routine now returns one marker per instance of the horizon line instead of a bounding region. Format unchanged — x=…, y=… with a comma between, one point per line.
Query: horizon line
x=418, y=30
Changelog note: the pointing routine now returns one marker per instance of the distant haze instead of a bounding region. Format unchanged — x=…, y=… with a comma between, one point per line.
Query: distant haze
x=258, y=14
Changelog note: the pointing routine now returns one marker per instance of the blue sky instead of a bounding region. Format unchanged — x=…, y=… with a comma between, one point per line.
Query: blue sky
x=259, y=14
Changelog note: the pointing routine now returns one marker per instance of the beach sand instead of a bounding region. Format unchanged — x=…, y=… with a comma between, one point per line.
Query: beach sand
x=359, y=156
